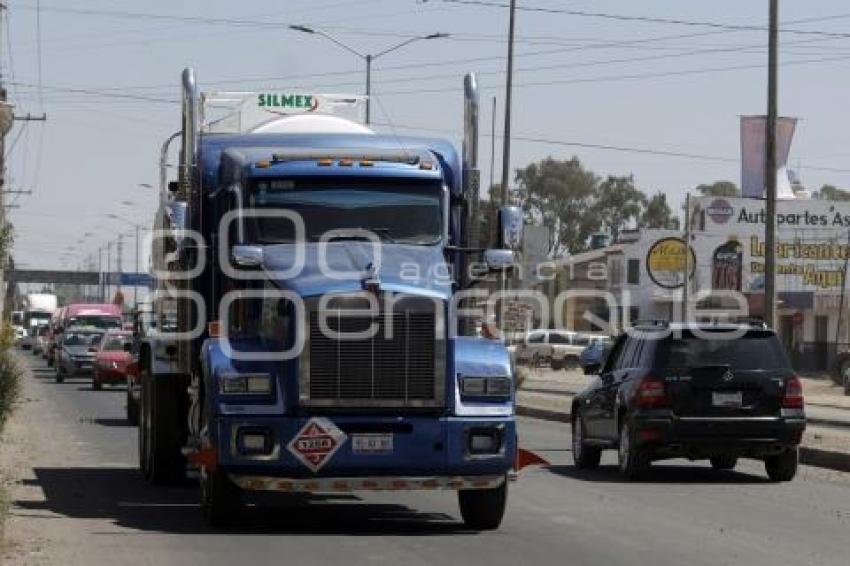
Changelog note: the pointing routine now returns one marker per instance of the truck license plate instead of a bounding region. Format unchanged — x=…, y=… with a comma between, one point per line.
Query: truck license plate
x=373, y=443
x=732, y=399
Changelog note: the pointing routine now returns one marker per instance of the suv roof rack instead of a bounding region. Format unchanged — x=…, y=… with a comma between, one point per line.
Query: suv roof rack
x=652, y=322
x=756, y=321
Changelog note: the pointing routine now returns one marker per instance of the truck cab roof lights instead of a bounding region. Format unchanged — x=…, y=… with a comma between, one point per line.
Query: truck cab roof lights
x=345, y=163
x=325, y=162
x=263, y=164
x=400, y=156
x=427, y=165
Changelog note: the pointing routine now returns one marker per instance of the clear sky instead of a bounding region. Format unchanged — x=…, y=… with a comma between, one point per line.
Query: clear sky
x=110, y=83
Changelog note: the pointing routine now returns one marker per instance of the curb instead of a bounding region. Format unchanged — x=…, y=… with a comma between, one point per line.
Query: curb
x=829, y=459
x=827, y=422
x=838, y=461
x=543, y=414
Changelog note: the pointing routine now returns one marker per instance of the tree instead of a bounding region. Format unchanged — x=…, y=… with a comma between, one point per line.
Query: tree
x=657, y=213
x=831, y=192
x=719, y=189
x=488, y=210
x=559, y=194
x=618, y=203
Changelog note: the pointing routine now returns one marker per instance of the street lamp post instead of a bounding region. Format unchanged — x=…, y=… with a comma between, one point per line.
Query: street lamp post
x=367, y=57
x=108, y=270
x=138, y=229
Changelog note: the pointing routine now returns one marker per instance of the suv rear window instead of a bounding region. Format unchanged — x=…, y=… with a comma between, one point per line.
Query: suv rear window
x=755, y=350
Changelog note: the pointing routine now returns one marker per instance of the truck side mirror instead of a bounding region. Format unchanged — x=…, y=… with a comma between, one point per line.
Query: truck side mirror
x=247, y=255
x=499, y=260
x=510, y=227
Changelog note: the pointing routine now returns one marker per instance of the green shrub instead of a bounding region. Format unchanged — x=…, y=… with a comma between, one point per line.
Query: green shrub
x=9, y=376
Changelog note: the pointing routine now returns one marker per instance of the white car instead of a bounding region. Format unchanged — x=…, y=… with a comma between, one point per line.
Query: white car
x=557, y=348
x=566, y=347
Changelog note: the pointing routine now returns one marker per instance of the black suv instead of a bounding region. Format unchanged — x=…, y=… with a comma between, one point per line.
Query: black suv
x=698, y=391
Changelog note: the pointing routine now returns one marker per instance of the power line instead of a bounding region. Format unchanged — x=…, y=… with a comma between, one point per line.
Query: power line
x=107, y=94
x=658, y=20
x=107, y=91
x=203, y=20
x=607, y=147
x=636, y=76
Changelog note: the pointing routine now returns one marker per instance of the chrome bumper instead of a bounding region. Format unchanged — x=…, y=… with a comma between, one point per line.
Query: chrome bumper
x=374, y=483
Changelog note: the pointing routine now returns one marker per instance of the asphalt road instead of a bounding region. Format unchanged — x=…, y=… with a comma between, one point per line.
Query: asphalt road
x=82, y=501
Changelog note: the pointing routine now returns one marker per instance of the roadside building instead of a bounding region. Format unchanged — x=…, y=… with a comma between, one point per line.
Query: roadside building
x=643, y=273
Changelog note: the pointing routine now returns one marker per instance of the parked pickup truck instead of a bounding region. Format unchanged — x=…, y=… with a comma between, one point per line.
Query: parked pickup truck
x=557, y=348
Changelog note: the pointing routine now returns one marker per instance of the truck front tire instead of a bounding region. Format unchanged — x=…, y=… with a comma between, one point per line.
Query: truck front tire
x=132, y=408
x=483, y=509
x=160, y=456
x=220, y=499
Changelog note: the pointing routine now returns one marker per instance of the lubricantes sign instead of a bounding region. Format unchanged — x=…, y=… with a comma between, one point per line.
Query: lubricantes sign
x=812, y=243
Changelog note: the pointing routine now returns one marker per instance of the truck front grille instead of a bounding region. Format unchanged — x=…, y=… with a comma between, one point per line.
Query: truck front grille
x=392, y=368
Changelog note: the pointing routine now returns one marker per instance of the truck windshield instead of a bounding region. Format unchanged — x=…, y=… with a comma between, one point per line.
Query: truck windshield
x=36, y=318
x=409, y=214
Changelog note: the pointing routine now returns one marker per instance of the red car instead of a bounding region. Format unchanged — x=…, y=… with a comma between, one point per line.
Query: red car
x=112, y=359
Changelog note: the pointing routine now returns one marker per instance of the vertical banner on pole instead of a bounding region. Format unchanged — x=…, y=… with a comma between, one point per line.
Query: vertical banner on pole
x=752, y=156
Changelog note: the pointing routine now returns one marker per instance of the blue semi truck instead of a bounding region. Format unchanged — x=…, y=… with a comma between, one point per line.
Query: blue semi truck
x=306, y=273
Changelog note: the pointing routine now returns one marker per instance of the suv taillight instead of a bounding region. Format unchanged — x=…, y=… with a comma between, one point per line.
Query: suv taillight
x=793, y=396
x=651, y=393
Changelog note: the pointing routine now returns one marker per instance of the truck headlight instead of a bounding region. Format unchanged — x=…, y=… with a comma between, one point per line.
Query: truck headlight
x=485, y=386
x=245, y=384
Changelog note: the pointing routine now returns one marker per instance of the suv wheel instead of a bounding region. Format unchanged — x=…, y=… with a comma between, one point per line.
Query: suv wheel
x=633, y=462
x=841, y=370
x=782, y=467
x=723, y=462
x=585, y=457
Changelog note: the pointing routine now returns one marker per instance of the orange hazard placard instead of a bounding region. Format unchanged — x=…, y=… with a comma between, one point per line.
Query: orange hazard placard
x=316, y=442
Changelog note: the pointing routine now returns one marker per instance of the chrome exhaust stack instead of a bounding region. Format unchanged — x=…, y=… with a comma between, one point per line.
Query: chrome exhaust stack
x=190, y=130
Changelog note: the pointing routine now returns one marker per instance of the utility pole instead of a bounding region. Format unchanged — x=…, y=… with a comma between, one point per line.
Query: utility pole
x=108, y=270
x=138, y=270
x=687, y=262
x=770, y=169
x=506, y=142
x=492, y=147
x=120, y=263
x=5, y=126
x=369, y=88
x=100, y=288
